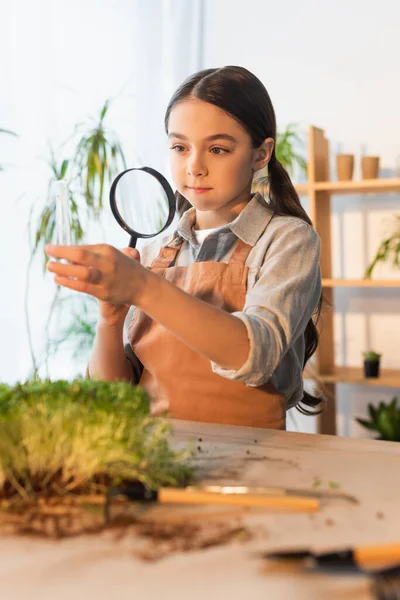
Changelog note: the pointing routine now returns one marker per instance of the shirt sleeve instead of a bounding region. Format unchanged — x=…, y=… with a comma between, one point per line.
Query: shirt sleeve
x=135, y=366
x=280, y=304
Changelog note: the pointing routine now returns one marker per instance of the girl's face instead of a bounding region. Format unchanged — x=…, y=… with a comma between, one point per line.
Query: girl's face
x=212, y=158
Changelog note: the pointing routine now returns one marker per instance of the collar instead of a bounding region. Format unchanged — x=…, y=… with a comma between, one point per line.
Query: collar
x=248, y=226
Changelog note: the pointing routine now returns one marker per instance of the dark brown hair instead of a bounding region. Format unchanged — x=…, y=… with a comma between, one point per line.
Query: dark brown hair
x=242, y=95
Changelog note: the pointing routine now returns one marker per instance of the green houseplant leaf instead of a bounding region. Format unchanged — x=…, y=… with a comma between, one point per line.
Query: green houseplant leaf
x=388, y=248
x=384, y=419
x=371, y=355
x=286, y=150
x=366, y=424
x=286, y=143
x=98, y=157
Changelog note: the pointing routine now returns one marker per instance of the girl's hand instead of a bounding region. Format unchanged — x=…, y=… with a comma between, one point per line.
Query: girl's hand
x=115, y=278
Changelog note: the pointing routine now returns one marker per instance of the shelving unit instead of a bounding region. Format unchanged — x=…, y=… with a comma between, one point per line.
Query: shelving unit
x=388, y=377
x=319, y=190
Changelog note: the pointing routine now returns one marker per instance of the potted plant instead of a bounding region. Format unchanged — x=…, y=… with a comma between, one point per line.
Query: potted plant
x=385, y=420
x=371, y=363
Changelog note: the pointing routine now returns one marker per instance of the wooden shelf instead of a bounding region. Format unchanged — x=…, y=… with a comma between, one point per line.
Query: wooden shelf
x=302, y=189
x=366, y=186
x=319, y=190
x=367, y=283
x=355, y=375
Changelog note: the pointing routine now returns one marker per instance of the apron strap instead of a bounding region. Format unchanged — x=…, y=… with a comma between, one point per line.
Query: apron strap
x=168, y=254
x=240, y=253
x=165, y=257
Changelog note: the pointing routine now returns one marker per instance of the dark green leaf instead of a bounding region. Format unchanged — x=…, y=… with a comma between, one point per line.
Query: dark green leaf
x=104, y=110
x=372, y=412
x=365, y=423
x=64, y=167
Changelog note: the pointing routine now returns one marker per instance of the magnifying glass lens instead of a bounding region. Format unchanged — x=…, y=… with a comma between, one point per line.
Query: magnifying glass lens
x=142, y=203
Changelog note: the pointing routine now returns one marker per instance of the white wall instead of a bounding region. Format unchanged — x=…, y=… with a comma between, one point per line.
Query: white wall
x=334, y=65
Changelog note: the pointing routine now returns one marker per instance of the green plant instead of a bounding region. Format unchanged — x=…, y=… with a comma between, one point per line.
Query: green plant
x=286, y=152
x=97, y=158
x=81, y=327
x=59, y=437
x=286, y=145
x=388, y=248
x=370, y=355
x=42, y=235
x=385, y=420
x=45, y=229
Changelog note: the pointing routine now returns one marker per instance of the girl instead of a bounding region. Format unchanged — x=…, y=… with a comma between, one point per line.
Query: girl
x=223, y=319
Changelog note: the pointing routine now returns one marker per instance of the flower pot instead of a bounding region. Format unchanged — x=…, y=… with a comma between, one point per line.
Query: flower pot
x=345, y=166
x=370, y=167
x=371, y=368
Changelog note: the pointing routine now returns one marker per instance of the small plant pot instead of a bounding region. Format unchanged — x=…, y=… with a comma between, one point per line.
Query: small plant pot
x=371, y=368
x=370, y=167
x=345, y=166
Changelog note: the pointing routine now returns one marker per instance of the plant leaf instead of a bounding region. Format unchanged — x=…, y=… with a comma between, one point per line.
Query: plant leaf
x=8, y=132
x=366, y=424
x=64, y=167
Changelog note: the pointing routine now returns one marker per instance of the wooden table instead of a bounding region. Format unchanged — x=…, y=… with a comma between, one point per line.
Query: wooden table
x=99, y=567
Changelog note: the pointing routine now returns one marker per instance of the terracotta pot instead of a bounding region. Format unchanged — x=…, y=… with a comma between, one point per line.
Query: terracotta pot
x=370, y=167
x=345, y=166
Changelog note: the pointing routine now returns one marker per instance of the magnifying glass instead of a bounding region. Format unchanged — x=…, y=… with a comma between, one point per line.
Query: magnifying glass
x=142, y=202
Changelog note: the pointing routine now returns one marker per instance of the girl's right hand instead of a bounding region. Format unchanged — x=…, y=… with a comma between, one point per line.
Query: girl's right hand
x=112, y=314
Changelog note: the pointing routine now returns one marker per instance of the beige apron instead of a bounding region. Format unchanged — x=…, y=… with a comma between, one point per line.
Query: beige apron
x=180, y=380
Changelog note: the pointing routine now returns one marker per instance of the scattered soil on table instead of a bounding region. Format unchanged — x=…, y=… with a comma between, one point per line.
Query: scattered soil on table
x=154, y=538
x=52, y=518
x=164, y=539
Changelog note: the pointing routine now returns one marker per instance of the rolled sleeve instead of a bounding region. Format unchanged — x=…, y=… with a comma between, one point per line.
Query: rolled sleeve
x=280, y=304
x=135, y=366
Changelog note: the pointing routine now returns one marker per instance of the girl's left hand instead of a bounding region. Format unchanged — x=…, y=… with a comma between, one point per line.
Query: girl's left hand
x=99, y=270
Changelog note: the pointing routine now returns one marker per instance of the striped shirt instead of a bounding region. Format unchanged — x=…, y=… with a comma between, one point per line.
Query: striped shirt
x=283, y=288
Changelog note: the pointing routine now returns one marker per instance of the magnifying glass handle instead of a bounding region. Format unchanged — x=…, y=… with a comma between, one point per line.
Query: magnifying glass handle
x=133, y=240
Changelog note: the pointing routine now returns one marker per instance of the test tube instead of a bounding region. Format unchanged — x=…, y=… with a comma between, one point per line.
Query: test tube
x=63, y=219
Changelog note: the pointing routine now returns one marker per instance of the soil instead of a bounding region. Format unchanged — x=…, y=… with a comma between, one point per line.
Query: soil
x=154, y=537
x=52, y=518
x=166, y=538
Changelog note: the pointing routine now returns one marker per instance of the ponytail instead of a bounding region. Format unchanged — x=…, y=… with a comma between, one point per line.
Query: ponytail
x=280, y=194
